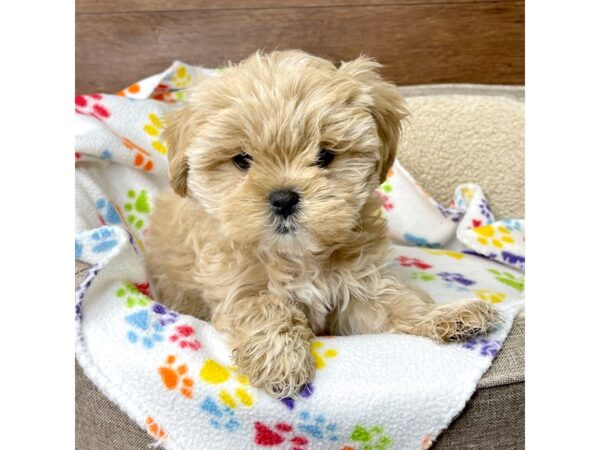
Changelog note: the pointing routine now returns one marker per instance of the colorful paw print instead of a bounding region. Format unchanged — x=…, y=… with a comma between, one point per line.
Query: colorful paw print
x=486, y=347
x=455, y=277
x=153, y=129
x=372, y=438
x=513, y=259
x=144, y=329
x=317, y=427
x=420, y=241
x=320, y=356
x=422, y=276
x=132, y=296
x=175, y=377
x=154, y=429
x=387, y=186
x=214, y=373
x=221, y=417
x=489, y=296
x=107, y=213
x=509, y=279
x=103, y=240
x=141, y=158
x=133, y=89
x=386, y=202
x=484, y=208
x=405, y=261
x=91, y=105
x=281, y=433
x=448, y=253
x=306, y=391
x=184, y=337
x=498, y=236
x=137, y=207
x=165, y=315
x=181, y=78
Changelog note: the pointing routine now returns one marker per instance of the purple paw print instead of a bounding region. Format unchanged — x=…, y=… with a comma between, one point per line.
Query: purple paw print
x=305, y=392
x=486, y=347
x=165, y=315
x=455, y=277
x=450, y=213
x=484, y=208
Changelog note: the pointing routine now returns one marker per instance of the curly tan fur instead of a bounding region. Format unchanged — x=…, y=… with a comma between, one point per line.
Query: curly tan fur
x=214, y=248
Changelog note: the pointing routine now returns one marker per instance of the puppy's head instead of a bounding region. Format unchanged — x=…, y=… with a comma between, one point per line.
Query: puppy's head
x=284, y=149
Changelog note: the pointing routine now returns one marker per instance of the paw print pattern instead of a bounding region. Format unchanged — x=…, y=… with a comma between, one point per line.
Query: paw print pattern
x=387, y=186
x=320, y=356
x=164, y=314
x=221, y=417
x=141, y=158
x=489, y=296
x=154, y=429
x=153, y=129
x=486, y=347
x=509, y=279
x=184, y=337
x=317, y=427
x=181, y=78
x=513, y=259
x=107, y=213
x=405, y=261
x=175, y=377
x=484, y=208
x=144, y=328
x=132, y=296
x=420, y=241
x=137, y=207
x=306, y=391
x=281, y=433
x=133, y=89
x=448, y=253
x=455, y=277
x=214, y=373
x=373, y=438
x=91, y=105
x=422, y=276
x=386, y=202
x=498, y=236
x=103, y=240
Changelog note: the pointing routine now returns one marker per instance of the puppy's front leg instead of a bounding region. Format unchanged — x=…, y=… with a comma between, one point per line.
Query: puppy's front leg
x=271, y=342
x=397, y=308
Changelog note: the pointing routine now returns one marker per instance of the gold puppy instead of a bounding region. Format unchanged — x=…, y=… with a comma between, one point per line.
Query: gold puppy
x=273, y=232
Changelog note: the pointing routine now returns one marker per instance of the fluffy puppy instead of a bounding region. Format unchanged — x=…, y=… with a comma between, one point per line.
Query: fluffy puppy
x=273, y=232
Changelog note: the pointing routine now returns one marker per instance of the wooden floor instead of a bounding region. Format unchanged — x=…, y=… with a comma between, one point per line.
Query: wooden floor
x=418, y=41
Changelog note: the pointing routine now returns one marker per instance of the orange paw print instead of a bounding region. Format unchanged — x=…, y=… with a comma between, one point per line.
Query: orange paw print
x=154, y=429
x=175, y=377
x=214, y=373
x=141, y=158
x=153, y=129
x=321, y=357
x=133, y=89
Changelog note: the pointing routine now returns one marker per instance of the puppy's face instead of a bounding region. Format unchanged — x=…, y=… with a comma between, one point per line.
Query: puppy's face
x=285, y=149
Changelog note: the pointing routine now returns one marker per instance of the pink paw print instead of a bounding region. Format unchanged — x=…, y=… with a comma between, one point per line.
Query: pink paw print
x=281, y=433
x=385, y=201
x=91, y=106
x=184, y=335
x=413, y=262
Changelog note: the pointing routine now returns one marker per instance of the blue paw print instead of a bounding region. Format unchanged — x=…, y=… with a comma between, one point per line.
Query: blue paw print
x=78, y=249
x=306, y=391
x=107, y=211
x=419, y=241
x=456, y=277
x=103, y=240
x=512, y=224
x=318, y=427
x=486, y=347
x=145, y=329
x=165, y=315
x=106, y=155
x=220, y=416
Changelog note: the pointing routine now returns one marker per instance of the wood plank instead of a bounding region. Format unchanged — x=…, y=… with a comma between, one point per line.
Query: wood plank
x=104, y=6
x=463, y=43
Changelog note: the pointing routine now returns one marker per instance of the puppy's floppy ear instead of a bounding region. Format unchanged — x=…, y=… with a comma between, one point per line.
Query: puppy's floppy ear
x=177, y=135
x=387, y=107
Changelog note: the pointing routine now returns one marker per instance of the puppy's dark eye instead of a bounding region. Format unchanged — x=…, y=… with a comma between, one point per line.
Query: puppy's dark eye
x=242, y=161
x=324, y=157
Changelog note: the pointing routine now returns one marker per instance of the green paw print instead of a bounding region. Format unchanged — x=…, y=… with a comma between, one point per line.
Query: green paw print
x=509, y=279
x=371, y=439
x=139, y=204
x=132, y=296
x=422, y=276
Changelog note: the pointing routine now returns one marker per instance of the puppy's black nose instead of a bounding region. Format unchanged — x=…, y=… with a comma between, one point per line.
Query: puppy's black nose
x=284, y=202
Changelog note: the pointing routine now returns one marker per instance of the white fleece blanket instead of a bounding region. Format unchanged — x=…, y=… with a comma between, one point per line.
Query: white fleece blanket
x=173, y=374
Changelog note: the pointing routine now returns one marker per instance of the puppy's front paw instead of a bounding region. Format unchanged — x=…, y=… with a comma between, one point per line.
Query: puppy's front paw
x=460, y=321
x=280, y=363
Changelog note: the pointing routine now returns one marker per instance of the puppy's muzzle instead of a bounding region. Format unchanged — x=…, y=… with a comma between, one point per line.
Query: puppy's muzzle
x=284, y=202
